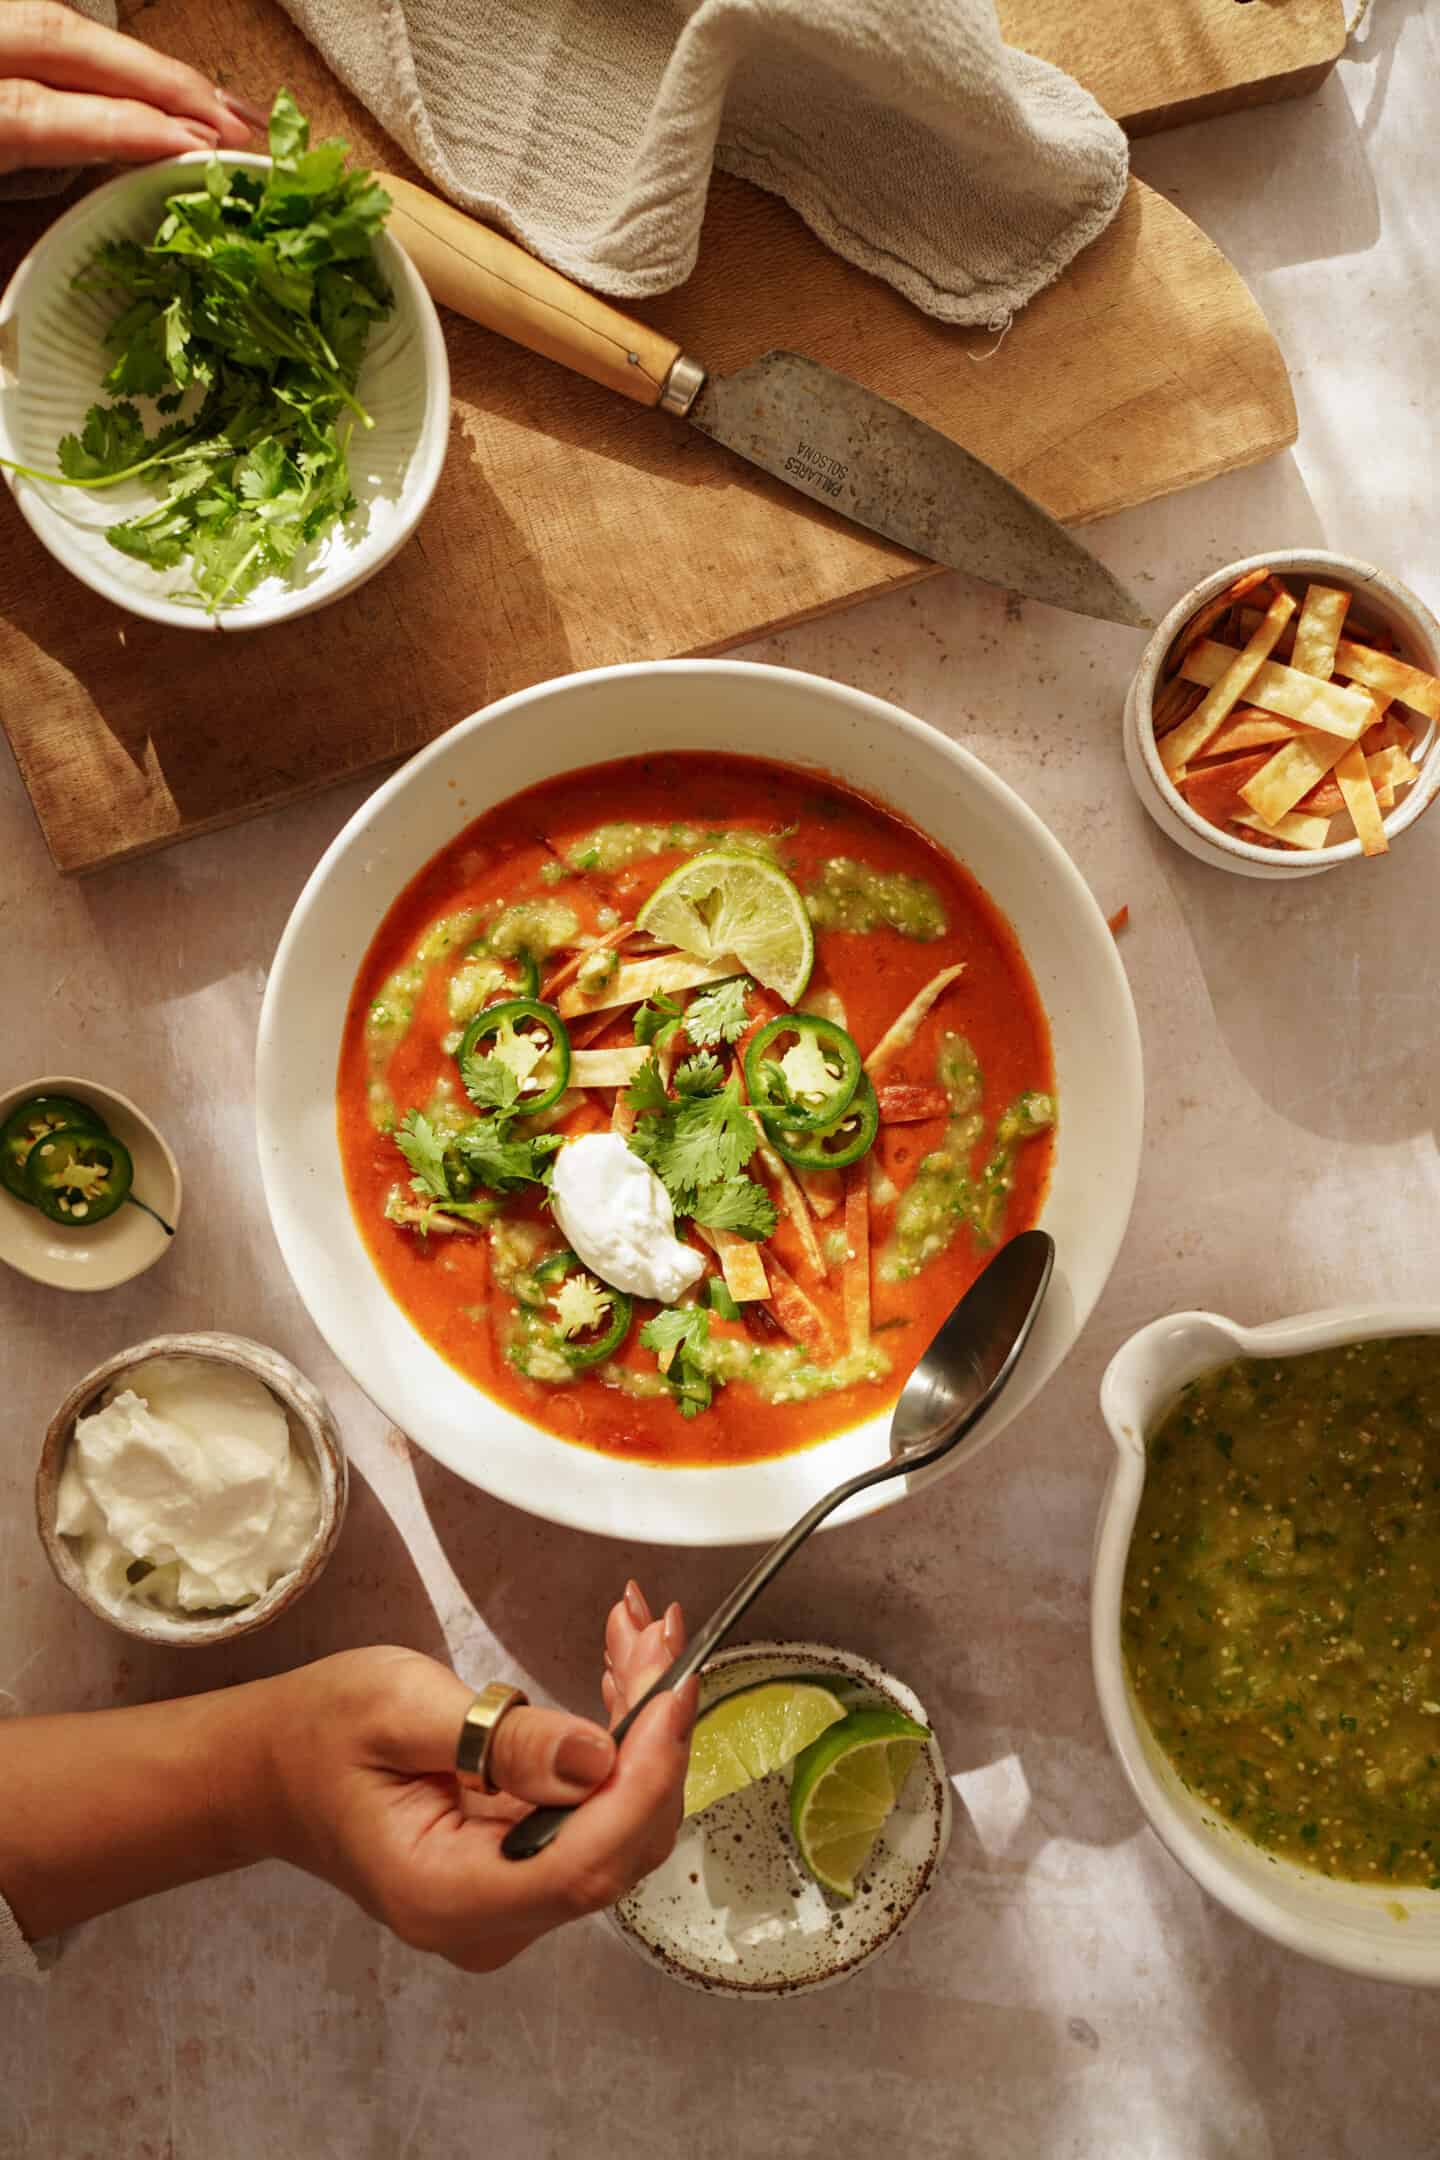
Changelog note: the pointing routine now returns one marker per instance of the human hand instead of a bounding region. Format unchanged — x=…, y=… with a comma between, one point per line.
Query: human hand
x=74, y=93
x=360, y=1753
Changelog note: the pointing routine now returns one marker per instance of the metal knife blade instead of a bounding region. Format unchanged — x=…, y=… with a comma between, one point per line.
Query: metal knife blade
x=853, y=451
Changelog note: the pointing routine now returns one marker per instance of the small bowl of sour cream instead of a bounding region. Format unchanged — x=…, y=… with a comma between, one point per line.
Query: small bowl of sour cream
x=191, y=1489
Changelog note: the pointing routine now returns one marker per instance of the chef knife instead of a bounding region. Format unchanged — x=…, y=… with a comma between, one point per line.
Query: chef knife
x=829, y=438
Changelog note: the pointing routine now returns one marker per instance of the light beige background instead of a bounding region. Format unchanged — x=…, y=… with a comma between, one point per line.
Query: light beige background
x=1066, y=1990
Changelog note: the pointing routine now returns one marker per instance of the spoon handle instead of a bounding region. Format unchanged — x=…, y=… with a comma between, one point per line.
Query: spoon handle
x=534, y=1832
x=1002, y=1304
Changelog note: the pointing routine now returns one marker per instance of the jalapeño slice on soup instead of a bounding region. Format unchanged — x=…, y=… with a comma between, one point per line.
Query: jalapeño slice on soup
x=806, y=1061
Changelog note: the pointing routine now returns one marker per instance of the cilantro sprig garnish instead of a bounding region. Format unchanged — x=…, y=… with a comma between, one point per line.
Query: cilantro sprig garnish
x=719, y=1015
x=424, y=1150
x=488, y=1152
x=698, y=1146
x=251, y=306
x=658, y=1022
x=683, y=1331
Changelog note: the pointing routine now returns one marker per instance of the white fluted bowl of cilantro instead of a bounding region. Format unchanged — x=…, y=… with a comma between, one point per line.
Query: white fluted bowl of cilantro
x=224, y=394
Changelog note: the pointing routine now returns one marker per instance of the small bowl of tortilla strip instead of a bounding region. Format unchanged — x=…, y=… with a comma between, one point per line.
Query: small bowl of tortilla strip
x=1285, y=716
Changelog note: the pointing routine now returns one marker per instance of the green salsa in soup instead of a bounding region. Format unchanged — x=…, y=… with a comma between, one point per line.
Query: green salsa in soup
x=1281, y=1620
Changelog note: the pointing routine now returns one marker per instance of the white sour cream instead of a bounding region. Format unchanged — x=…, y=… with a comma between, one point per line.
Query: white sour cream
x=189, y=1469
x=616, y=1215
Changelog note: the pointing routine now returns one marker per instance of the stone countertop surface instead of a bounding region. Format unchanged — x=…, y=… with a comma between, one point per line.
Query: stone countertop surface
x=1067, y=1990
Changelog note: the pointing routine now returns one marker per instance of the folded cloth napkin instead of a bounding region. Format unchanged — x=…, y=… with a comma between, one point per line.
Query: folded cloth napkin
x=905, y=132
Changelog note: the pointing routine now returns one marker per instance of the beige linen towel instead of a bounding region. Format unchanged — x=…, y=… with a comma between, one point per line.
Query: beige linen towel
x=905, y=132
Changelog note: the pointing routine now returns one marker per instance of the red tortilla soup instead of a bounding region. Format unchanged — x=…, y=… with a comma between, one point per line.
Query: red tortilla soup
x=680, y=1099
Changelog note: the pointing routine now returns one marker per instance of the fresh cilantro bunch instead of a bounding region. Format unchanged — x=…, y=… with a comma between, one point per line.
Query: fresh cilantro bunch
x=245, y=319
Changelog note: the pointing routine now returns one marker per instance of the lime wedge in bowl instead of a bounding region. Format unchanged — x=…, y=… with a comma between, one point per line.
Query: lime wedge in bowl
x=727, y=902
x=845, y=1784
x=752, y=1732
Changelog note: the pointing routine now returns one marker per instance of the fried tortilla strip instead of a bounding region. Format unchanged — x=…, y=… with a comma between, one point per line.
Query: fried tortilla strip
x=1395, y=678
x=856, y=1278
x=901, y=1032
x=1301, y=765
x=1215, y=791
x=1248, y=621
x=1299, y=832
x=793, y=1204
x=1358, y=790
x=1388, y=731
x=1175, y=703
x=636, y=980
x=1392, y=768
x=585, y=1033
x=1318, y=631
x=1329, y=707
x=799, y=1315
x=567, y=969
x=1325, y=800
x=1119, y=921
x=607, y=1068
x=1213, y=613
x=412, y=1214
x=740, y=1263
x=1248, y=729
x=902, y=1104
x=1190, y=738
x=822, y=1188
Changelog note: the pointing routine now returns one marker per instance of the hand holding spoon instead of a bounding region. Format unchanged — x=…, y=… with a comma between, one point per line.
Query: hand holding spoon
x=960, y=1375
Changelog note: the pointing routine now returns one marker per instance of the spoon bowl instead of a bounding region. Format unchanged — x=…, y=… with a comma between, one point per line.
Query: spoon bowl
x=973, y=1353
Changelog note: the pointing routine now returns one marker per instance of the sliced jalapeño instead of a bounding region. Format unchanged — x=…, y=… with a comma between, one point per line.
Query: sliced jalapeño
x=529, y=1041
x=802, y=1072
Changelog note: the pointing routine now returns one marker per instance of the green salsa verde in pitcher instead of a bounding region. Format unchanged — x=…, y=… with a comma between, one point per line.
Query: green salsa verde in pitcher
x=1281, y=1617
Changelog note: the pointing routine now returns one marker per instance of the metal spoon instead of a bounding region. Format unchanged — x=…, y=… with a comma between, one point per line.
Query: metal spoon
x=950, y=1390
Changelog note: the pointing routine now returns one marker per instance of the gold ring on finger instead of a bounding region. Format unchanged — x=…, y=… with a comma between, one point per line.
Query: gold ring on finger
x=476, y=1745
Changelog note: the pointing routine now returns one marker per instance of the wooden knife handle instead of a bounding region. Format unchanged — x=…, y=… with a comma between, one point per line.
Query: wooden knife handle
x=475, y=270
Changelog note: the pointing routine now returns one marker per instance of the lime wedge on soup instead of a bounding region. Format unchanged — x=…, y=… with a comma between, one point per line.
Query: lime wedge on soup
x=752, y=1732
x=723, y=902
x=845, y=1785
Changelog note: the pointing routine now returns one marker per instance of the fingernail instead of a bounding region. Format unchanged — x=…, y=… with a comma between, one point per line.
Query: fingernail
x=635, y=1605
x=584, y=1758
x=244, y=108
x=684, y=1702
x=199, y=136
x=674, y=1631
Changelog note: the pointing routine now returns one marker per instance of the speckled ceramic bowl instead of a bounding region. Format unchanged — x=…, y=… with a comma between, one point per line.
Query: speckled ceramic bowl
x=733, y=1912
x=1380, y=597
x=312, y=1429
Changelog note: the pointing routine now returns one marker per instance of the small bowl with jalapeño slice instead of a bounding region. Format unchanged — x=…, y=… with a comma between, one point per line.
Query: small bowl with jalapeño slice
x=89, y=1191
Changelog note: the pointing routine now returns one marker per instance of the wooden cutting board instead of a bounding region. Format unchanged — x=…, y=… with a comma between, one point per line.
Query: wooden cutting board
x=572, y=529
x=1158, y=63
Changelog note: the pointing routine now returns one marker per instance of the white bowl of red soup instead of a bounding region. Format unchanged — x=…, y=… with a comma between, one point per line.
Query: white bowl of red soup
x=544, y=947
x=1266, y=1623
